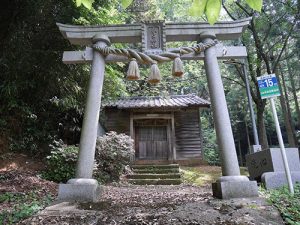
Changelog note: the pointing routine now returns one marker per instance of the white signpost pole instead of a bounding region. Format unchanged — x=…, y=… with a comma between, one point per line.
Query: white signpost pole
x=268, y=87
x=282, y=149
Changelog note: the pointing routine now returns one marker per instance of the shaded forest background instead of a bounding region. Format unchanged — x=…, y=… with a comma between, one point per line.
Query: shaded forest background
x=42, y=100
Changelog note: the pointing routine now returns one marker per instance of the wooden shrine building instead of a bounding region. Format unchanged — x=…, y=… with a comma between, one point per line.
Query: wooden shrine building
x=163, y=128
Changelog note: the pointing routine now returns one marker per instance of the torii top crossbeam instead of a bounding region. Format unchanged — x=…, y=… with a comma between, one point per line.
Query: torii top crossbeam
x=132, y=33
x=153, y=36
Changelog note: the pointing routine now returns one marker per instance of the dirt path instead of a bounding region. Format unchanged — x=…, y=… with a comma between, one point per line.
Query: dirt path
x=159, y=205
x=132, y=205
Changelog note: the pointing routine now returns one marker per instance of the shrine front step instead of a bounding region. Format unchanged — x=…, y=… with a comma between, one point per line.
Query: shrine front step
x=167, y=174
x=154, y=181
x=151, y=166
x=155, y=171
x=154, y=176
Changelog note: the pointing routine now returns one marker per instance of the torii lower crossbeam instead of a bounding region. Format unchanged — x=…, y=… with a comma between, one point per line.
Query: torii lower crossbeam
x=86, y=56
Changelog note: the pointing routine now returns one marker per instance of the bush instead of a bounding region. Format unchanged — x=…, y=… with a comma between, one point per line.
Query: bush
x=211, y=155
x=61, y=163
x=113, y=152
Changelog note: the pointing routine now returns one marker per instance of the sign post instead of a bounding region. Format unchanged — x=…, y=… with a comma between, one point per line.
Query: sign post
x=268, y=88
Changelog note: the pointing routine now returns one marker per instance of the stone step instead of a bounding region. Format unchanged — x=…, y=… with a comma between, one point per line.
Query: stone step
x=155, y=171
x=154, y=176
x=154, y=181
x=158, y=174
x=151, y=166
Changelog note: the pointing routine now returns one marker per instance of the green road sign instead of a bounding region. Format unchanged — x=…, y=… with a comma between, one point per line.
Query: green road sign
x=268, y=86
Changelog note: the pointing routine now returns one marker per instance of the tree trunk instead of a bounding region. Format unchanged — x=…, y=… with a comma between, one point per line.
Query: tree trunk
x=287, y=120
x=262, y=135
x=247, y=133
x=293, y=91
x=291, y=128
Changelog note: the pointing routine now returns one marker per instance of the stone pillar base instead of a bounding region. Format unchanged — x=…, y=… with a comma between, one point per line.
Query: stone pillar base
x=237, y=187
x=82, y=190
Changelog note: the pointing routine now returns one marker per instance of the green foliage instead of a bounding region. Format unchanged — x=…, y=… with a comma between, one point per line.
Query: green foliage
x=25, y=205
x=85, y=3
x=193, y=81
x=211, y=155
x=265, y=42
x=287, y=204
x=113, y=152
x=212, y=11
x=61, y=163
x=101, y=14
x=33, y=74
x=114, y=84
x=212, y=8
x=255, y=4
x=31, y=133
x=210, y=148
x=198, y=7
x=41, y=98
x=126, y=3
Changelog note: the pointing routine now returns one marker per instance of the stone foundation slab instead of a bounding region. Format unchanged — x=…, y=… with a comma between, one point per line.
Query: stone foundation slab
x=78, y=192
x=235, y=189
x=278, y=179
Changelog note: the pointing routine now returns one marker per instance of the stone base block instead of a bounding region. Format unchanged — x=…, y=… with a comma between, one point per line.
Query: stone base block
x=278, y=179
x=81, y=190
x=235, y=189
x=270, y=160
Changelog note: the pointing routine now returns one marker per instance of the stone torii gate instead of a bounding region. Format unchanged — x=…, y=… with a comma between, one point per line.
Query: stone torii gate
x=153, y=36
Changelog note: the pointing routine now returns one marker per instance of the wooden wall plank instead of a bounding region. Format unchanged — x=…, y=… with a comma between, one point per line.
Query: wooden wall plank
x=117, y=120
x=188, y=134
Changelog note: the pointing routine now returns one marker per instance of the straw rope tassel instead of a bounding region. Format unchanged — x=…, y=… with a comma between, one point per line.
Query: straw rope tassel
x=154, y=76
x=177, y=70
x=133, y=72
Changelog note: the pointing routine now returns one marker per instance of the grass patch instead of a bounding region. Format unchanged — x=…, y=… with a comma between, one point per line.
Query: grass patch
x=204, y=175
x=200, y=176
x=287, y=204
x=244, y=171
x=23, y=206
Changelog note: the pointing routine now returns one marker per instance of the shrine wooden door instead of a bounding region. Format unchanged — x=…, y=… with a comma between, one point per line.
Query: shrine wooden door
x=152, y=142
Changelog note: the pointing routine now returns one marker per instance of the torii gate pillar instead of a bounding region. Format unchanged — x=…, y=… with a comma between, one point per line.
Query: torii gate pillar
x=231, y=184
x=83, y=187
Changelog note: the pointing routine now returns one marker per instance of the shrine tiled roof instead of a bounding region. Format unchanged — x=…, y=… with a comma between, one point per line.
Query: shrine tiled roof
x=173, y=101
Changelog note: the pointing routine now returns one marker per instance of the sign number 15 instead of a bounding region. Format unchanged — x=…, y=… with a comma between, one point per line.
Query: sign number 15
x=269, y=82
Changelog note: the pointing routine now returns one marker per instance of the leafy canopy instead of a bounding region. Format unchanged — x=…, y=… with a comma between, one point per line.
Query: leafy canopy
x=85, y=3
x=210, y=8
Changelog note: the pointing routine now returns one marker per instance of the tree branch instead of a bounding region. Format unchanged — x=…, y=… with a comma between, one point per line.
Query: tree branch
x=227, y=11
x=259, y=47
x=244, y=9
x=233, y=80
x=283, y=47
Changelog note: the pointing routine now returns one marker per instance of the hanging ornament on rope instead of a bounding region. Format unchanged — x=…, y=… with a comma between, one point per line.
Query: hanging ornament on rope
x=177, y=70
x=154, y=76
x=133, y=72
